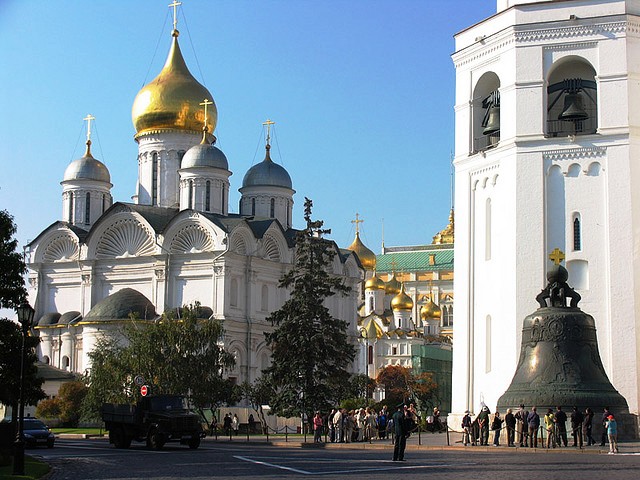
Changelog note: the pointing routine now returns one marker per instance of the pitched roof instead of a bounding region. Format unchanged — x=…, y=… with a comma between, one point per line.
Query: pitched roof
x=415, y=261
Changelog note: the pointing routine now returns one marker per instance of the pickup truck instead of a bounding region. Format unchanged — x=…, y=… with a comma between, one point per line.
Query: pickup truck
x=155, y=419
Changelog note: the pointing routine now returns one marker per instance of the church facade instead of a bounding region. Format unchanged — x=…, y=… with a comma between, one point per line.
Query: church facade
x=546, y=118
x=177, y=243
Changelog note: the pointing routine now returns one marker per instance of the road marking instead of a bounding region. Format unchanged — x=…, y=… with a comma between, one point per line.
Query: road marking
x=351, y=470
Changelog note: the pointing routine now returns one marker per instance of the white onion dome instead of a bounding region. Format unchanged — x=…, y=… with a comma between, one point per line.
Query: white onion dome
x=205, y=154
x=267, y=174
x=87, y=168
x=171, y=101
x=402, y=301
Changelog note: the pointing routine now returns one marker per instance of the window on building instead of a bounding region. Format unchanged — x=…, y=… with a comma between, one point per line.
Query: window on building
x=485, y=132
x=370, y=355
x=253, y=206
x=264, y=303
x=154, y=179
x=288, y=213
x=371, y=303
x=273, y=208
x=577, y=233
x=224, y=196
x=207, y=198
x=87, y=209
x=190, y=193
x=394, y=350
x=104, y=202
x=233, y=293
x=70, y=207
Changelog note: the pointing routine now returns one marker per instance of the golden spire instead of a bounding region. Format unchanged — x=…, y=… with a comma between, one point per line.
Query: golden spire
x=175, y=6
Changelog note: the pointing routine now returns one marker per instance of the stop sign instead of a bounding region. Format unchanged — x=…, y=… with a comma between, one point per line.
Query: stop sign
x=144, y=390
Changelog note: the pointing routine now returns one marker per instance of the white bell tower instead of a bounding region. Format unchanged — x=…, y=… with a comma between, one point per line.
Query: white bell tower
x=546, y=156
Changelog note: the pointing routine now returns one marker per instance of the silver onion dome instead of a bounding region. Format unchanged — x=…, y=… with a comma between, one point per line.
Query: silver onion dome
x=267, y=173
x=87, y=168
x=205, y=155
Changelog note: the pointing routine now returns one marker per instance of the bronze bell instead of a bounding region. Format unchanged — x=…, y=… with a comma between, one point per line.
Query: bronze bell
x=573, y=109
x=493, y=121
x=559, y=361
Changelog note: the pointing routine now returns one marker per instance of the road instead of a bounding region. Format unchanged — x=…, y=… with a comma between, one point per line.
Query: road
x=96, y=459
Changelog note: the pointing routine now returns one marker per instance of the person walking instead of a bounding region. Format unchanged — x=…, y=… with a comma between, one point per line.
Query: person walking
x=576, y=427
x=587, y=427
x=510, y=423
x=533, y=421
x=561, y=427
x=612, y=433
x=466, y=427
x=400, y=432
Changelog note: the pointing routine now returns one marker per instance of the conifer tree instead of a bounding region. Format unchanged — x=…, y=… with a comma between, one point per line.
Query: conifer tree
x=311, y=350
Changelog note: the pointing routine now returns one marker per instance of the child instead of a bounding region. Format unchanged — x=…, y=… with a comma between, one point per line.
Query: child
x=612, y=432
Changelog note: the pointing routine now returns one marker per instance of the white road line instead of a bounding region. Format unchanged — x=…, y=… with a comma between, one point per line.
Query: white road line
x=267, y=464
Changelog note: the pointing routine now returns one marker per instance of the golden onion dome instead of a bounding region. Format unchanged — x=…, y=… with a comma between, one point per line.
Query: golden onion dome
x=430, y=311
x=374, y=283
x=172, y=100
x=366, y=256
x=392, y=286
x=402, y=301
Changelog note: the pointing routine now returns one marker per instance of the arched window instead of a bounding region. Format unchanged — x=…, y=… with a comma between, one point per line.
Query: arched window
x=65, y=363
x=371, y=303
x=273, y=208
x=577, y=233
x=370, y=355
x=190, y=193
x=487, y=243
x=45, y=360
x=572, y=98
x=253, y=206
x=207, y=198
x=87, y=209
x=233, y=293
x=486, y=113
x=264, y=303
x=70, y=207
x=104, y=202
x=154, y=179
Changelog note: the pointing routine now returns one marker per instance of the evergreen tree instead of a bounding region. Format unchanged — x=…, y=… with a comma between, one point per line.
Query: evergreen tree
x=12, y=291
x=311, y=351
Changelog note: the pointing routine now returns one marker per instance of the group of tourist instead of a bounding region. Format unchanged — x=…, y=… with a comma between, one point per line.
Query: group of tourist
x=526, y=425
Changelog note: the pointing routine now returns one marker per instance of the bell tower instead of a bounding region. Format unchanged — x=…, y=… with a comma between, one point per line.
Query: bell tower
x=546, y=119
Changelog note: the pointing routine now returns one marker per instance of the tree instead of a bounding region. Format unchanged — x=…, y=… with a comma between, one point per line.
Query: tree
x=310, y=347
x=66, y=405
x=401, y=385
x=12, y=291
x=258, y=394
x=10, y=352
x=174, y=355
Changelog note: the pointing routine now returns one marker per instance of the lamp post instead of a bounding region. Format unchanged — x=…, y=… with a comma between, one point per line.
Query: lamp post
x=25, y=317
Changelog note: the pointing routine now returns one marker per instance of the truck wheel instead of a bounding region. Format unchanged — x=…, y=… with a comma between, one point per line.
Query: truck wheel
x=119, y=438
x=155, y=440
x=194, y=443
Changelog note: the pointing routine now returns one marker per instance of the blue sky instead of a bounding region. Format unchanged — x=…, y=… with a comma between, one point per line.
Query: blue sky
x=361, y=92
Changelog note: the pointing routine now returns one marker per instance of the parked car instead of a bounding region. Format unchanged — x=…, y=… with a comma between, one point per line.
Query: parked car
x=37, y=433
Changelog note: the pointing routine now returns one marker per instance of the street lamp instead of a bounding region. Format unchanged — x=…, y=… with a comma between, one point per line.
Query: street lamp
x=25, y=317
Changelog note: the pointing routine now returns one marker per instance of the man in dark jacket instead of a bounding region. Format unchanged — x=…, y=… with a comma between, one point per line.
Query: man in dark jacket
x=533, y=420
x=561, y=425
x=605, y=419
x=576, y=427
x=400, y=432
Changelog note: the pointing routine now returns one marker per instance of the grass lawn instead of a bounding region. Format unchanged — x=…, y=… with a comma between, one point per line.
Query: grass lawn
x=33, y=470
x=86, y=431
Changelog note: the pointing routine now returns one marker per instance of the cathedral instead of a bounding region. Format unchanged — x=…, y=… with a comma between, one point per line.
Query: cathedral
x=177, y=243
x=546, y=133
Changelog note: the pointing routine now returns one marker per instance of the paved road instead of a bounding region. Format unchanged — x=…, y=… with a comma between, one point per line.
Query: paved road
x=95, y=459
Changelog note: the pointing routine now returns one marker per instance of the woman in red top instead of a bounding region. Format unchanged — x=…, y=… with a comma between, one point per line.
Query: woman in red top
x=317, y=428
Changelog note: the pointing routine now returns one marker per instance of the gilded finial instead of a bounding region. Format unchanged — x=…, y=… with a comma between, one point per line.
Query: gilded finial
x=357, y=222
x=557, y=256
x=88, y=119
x=175, y=6
x=268, y=123
x=394, y=264
x=205, y=129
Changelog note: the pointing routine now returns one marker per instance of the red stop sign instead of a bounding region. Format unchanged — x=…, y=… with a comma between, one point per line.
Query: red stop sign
x=144, y=390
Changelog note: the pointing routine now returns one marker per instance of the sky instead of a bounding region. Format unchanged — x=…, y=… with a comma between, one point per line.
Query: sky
x=362, y=93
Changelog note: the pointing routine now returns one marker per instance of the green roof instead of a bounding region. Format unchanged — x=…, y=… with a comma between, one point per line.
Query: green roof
x=415, y=261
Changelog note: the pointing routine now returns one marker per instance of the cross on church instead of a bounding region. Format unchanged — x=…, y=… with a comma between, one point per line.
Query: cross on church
x=268, y=123
x=557, y=256
x=88, y=119
x=175, y=6
x=394, y=264
x=206, y=103
x=357, y=222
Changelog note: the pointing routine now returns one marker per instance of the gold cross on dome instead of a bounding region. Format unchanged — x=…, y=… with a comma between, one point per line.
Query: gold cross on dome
x=357, y=221
x=394, y=264
x=268, y=123
x=557, y=256
x=175, y=6
x=88, y=119
x=206, y=103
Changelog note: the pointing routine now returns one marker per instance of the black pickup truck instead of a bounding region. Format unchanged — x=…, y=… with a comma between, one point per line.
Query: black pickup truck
x=155, y=419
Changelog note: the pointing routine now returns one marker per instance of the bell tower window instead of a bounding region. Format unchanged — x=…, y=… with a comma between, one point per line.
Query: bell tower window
x=87, y=209
x=485, y=130
x=577, y=233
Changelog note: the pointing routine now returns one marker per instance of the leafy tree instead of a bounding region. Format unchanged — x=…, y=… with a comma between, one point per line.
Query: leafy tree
x=310, y=348
x=423, y=390
x=10, y=352
x=258, y=394
x=12, y=291
x=174, y=355
x=66, y=406
x=401, y=385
